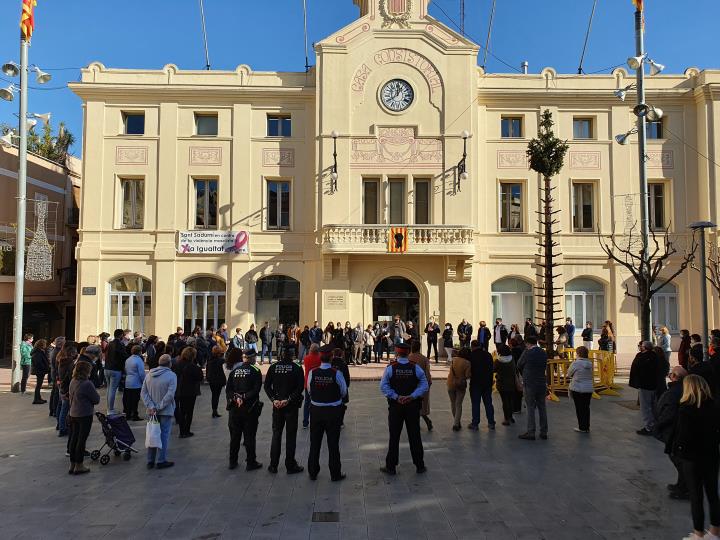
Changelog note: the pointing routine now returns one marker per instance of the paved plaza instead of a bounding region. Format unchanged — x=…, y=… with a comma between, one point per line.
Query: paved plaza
x=479, y=485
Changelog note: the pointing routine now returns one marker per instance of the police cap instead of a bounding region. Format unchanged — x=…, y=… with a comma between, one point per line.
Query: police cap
x=402, y=348
x=326, y=352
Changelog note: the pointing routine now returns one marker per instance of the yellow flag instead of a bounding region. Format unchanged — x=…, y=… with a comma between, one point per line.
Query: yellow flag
x=638, y=4
x=27, y=18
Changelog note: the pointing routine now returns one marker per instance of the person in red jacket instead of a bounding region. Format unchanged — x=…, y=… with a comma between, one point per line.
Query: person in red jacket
x=310, y=362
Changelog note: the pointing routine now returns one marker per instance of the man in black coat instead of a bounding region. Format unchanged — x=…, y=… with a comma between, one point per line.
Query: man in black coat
x=533, y=366
x=481, y=382
x=464, y=331
x=432, y=329
x=284, y=385
x=483, y=336
x=500, y=333
x=665, y=425
x=530, y=329
x=644, y=377
x=115, y=358
x=243, y=402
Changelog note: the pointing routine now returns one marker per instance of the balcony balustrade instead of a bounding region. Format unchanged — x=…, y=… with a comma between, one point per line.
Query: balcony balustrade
x=422, y=239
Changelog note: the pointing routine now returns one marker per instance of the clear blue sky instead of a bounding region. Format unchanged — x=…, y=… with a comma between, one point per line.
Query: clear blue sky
x=268, y=35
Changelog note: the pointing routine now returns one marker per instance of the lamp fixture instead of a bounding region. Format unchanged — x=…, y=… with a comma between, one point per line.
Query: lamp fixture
x=620, y=93
x=40, y=76
x=462, y=173
x=8, y=93
x=636, y=62
x=7, y=139
x=651, y=114
x=623, y=137
x=44, y=117
x=11, y=69
x=655, y=68
x=334, y=168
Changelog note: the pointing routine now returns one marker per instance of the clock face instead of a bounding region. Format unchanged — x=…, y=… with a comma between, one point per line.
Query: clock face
x=397, y=95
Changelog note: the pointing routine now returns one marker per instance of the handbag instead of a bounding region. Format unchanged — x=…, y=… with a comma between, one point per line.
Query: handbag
x=518, y=382
x=152, y=433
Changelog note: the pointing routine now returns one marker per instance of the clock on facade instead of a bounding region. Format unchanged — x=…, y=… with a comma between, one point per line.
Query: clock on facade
x=397, y=95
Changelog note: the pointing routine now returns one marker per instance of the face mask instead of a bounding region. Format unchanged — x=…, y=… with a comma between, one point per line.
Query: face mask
x=447, y=328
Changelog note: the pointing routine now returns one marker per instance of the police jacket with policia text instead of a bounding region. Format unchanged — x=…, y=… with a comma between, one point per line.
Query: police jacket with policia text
x=244, y=382
x=403, y=378
x=285, y=380
x=326, y=386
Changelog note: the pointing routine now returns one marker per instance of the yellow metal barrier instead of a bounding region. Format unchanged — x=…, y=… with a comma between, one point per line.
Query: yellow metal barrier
x=603, y=373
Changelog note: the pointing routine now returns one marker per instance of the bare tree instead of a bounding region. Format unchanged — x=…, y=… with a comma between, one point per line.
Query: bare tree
x=547, y=156
x=651, y=271
x=713, y=265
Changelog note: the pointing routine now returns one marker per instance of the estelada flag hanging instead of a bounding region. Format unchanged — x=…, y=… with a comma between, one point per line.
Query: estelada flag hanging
x=27, y=19
x=397, y=240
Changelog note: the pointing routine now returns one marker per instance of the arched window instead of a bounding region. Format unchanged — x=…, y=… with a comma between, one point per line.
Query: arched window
x=203, y=304
x=585, y=301
x=277, y=300
x=512, y=300
x=130, y=302
x=665, y=308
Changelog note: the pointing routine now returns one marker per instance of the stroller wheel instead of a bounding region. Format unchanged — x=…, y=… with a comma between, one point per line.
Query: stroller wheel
x=126, y=456
x=94, y=455
x=104, y=460
x=117, y=453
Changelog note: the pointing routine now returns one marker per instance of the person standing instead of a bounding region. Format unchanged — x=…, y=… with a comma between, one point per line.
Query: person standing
x=369, y=340
x=316, y=334
x=281, y=342
x=304, y=342
x=505, y=369
x=338, y=363
x=587, y=336
x=238, y=340
x=117, y=353
x=517, y=347
x=664, y=343
x=667, y=410
x=158, y=395
x=215, y=375
x=530, y=329
x=483, y=336
x=404, y=384
x=432, y=330
x=533, y=365
x=358, y=337
x=134, y=378
x=266, y=338
x=284, y=385
x=411, y=331
x=684, y=348
x=398, y=331
x=190, y=377
x=243, y=401
x=25, y=360
x=644, y=377
x=83, y=397
x=447, y=339
x=416, y=357
x=500, y=333
x=464, y=331
x=696, y=444
x=40, y=366
x=310, y=362
x=580, y=374
x=457, y=378
x=570, y=331
x=326, y=387
x=251, y=339
x=481, y=383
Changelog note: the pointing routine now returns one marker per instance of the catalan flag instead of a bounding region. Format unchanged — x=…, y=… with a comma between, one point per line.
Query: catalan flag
x=397, y=240
x=27, y=19
x=638, y=4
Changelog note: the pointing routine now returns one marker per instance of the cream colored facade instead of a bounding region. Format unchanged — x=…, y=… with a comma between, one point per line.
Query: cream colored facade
x=459, y=260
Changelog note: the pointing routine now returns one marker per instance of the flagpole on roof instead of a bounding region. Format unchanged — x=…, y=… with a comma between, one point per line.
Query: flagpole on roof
x=307, y=64
x=204, y=31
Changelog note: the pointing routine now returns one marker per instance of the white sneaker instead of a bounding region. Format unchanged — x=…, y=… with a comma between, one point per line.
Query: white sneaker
x=693, y=536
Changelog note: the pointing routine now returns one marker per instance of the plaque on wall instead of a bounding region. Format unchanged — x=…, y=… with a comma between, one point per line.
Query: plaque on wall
x=335, y=300
x=89, y=291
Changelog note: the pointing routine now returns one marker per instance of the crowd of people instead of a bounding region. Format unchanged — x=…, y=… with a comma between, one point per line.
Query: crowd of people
x=310, y=372
x=679, y=406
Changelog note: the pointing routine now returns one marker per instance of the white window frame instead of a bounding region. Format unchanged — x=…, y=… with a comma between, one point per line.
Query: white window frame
x=289, y=226
x=194, y=224
x=581, y=319
x=509, y=182
x=575, y=206
x=122, y=180
x=666, y=298
x=203, y=318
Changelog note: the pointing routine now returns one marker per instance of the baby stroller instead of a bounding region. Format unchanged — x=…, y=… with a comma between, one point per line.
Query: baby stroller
x=118, y=438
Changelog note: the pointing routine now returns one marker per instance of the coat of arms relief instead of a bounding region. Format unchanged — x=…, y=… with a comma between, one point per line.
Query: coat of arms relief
x=395, y=13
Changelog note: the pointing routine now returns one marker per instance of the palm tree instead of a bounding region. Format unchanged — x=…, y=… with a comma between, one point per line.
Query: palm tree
x=55, y=148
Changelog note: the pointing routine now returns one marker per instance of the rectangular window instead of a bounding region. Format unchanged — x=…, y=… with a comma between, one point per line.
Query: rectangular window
x=582, y=128
x=206, y=199
x=397, y=201
x=370, y=202
x=511, y=127
x=656, y=206
x=422, y=202
x=133, y=199
x=206, y=125
x=278, y=125
x=583, y=202
x=134, y=123
x=654, y=130
x=278, y=205
x=511, y=207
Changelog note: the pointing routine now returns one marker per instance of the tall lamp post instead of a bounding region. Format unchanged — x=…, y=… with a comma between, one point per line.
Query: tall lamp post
x=701, y=226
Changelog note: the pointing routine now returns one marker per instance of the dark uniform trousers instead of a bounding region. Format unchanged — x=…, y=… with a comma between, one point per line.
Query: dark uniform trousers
x=243, y=426
x=409, y=415
x=285, y=418
x=325, y=420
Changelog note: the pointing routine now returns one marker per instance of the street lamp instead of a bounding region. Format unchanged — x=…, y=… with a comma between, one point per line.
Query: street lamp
x=620, y=93
x=334, y=168
x=462, y=173
x=701, y=226
x=8, y=93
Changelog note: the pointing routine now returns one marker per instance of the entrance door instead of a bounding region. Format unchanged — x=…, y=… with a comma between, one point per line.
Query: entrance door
x=396, y=296
x=277, y=300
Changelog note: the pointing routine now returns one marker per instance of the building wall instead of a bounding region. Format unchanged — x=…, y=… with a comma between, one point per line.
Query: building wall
x=336, y=258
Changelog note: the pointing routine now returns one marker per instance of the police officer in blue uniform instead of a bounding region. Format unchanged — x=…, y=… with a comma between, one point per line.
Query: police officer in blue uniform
x=326, y=387
x=284, y=385
x=243, y=402
x=404, y=384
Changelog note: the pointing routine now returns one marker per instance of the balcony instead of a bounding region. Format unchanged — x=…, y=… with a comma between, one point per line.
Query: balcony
x=422, y=239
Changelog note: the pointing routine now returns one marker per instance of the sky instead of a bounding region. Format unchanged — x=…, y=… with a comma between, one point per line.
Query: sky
x=268, y=35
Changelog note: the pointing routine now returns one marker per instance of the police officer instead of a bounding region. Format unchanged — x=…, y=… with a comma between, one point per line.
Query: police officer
x=243, y=402
x=327, y=388
x=284, y=385
x=404, y=385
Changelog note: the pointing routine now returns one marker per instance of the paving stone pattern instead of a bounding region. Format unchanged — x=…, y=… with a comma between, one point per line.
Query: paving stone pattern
x=479, y=485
